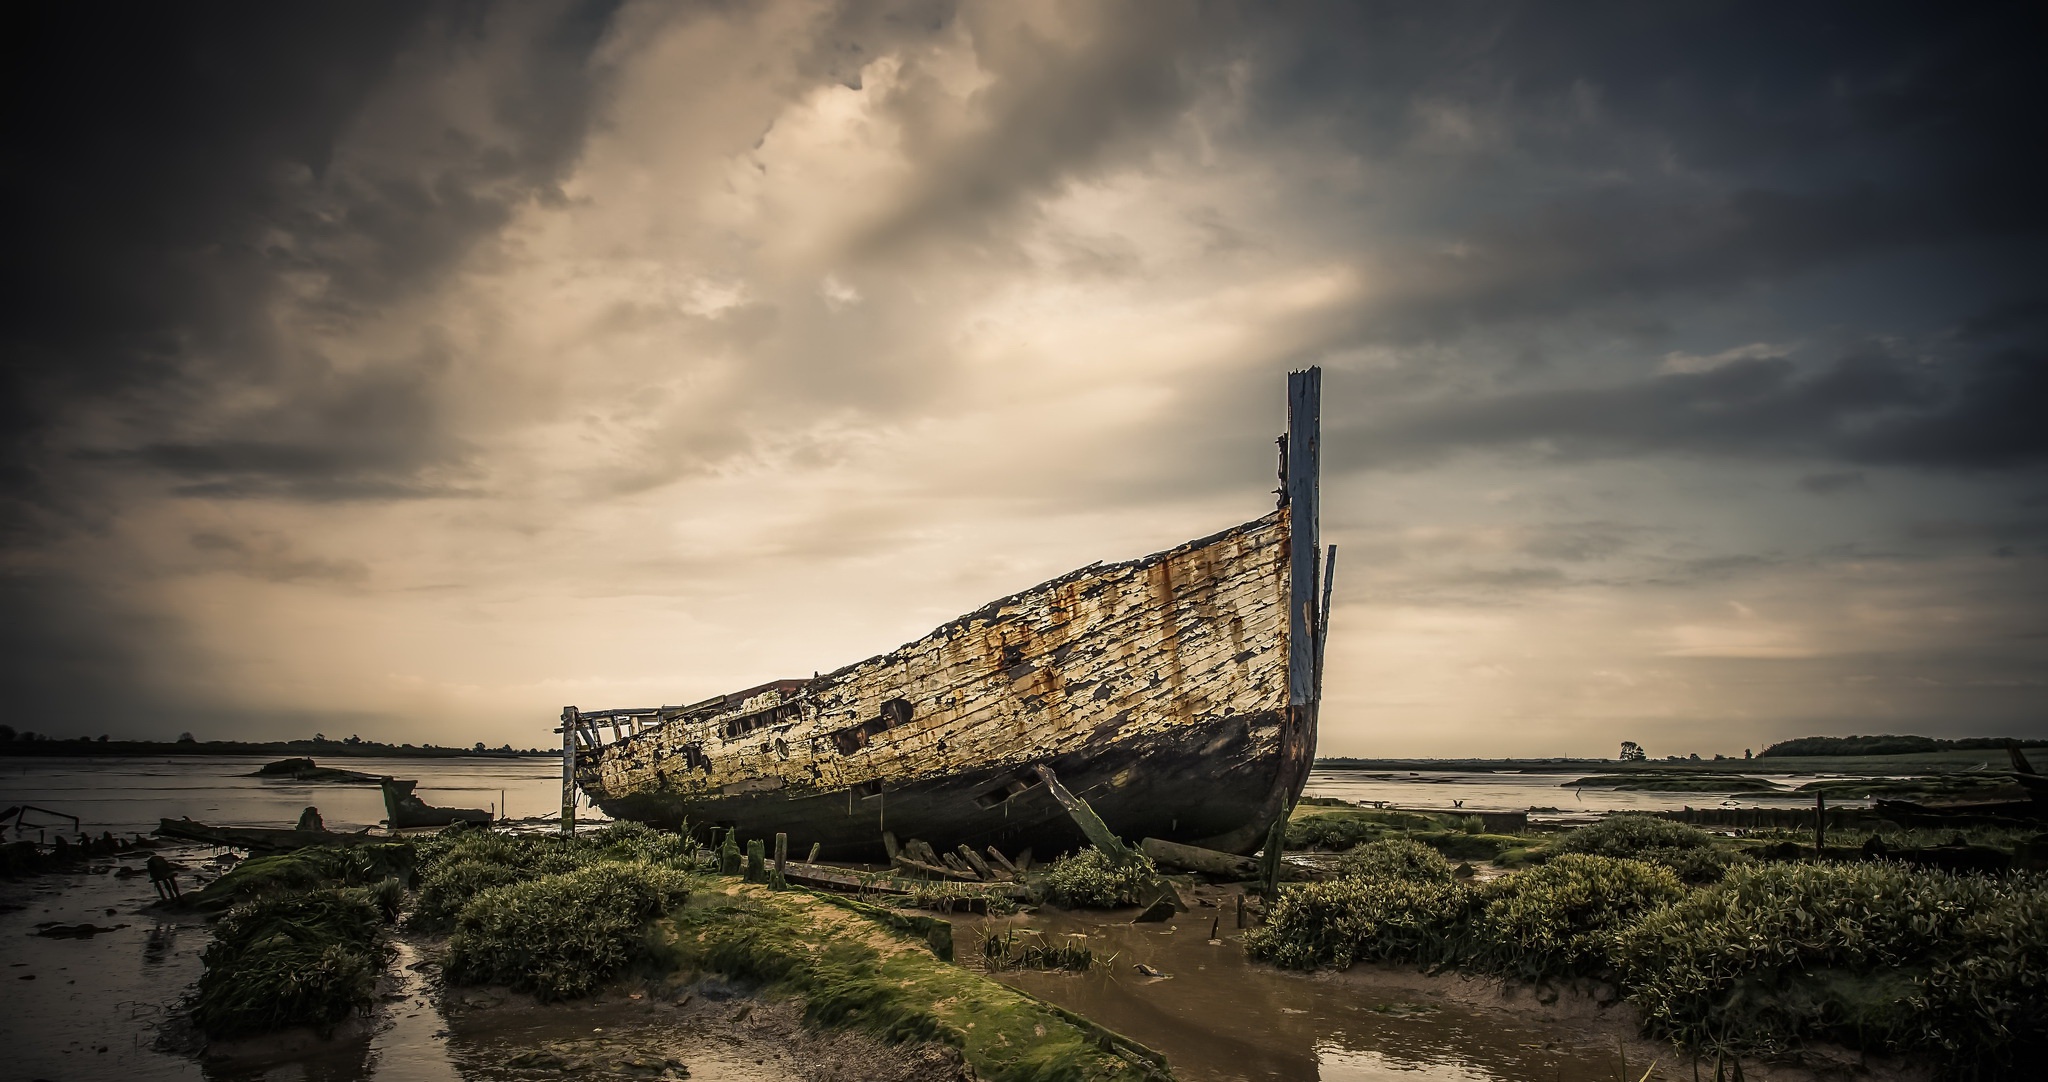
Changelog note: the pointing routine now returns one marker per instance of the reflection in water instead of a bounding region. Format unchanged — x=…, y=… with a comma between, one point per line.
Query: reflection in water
x=1337, y=1064
x=1220, y=1018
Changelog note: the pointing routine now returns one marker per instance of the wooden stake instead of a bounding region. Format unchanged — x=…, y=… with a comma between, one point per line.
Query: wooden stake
x=568, y=770
x=1276, y=844
x=816, y=848
x=757, y=859
x=1240, y=910
x=781, y=861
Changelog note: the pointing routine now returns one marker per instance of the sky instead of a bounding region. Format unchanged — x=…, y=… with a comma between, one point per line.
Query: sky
x=414, y=370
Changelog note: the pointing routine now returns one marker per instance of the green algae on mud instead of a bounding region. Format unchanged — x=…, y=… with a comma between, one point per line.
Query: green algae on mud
x=853, y=973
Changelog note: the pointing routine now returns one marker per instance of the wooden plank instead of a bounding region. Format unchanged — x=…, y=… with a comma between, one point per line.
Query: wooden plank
x=1304, y=462
x=936, y=870
x=1098, y=832
x=1002, y=861
x=974, y=861
x=1194, y=858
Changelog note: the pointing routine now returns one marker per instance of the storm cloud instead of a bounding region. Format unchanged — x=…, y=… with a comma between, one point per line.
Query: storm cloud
x=429, y=366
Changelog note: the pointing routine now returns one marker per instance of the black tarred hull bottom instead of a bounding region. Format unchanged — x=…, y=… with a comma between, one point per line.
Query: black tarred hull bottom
x=1205, y=781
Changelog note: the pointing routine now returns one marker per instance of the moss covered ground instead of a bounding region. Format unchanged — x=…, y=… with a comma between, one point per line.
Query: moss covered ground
x=853, y=972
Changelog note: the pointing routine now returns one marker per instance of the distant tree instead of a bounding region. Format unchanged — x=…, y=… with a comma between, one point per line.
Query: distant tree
x=479, y=745
x=1746, y=754
x=319, y=738
x=6, y=734
x=186, y=738
x=1632, y=752
x=103, y=738
x=353, y=739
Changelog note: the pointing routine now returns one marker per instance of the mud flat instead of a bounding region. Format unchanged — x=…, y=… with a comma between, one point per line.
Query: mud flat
x=1221, y=1018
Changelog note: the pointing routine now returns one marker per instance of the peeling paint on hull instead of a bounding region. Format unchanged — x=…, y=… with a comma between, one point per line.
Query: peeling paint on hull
x=1156, y=688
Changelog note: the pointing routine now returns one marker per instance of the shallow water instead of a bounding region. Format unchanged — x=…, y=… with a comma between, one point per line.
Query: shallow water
x=1219, y=1018
x=1453, y=791
x=129, y=795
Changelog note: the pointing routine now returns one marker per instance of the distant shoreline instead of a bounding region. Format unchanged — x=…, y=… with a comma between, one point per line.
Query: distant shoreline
x=310, y=749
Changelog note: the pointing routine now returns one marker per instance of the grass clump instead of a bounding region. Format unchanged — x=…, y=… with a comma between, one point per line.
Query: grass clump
x=1092, y=879
x=563, y=935
x=1352, y=919
x=1033, y=951
x=306, y=958
x=458, y=864
x=1559, y=919
x=1686, y=850
x=1396, y=858
x=1874, y=955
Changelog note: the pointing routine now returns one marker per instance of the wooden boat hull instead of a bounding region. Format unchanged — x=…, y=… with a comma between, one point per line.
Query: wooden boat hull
x=1175, y=694
x=1156, y=689
x=1201, y=785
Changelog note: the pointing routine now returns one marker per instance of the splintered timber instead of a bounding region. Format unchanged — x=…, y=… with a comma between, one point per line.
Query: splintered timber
x=1175, y=694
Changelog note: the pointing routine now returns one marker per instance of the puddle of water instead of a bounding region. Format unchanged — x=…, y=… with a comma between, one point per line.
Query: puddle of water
x=94, y=1005
x=1219, y=1018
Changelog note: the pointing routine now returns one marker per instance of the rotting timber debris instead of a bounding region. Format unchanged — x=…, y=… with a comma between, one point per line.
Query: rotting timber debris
x=1175, y=694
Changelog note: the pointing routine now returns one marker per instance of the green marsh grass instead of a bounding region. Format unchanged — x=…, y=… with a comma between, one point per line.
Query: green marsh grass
x=564, y=935
x=1091, y=879
x=306, y=958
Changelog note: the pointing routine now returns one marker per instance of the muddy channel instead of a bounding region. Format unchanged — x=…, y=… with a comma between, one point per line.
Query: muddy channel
x=98, y=1001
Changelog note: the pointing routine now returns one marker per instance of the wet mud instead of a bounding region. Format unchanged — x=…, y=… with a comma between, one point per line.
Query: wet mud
x=1221, y=1018
x=94, y=971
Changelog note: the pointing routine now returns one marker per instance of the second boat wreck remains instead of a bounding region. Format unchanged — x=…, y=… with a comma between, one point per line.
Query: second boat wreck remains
x=1175, y=694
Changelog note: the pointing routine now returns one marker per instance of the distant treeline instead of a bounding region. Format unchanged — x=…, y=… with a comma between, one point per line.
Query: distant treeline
x=28, y=743
x=1891, y=745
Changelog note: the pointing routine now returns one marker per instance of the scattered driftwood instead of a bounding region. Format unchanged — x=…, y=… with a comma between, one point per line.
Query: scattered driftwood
x=259, y=839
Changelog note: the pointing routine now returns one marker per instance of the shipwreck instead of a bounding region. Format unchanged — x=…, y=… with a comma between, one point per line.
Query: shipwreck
x=1175, y=694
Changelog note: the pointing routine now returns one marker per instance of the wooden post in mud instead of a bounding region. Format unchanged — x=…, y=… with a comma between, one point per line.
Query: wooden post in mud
x=569, y=721
x=1820, y=824
x=1269, y=863
x=816, y=848
x=757, y=860
x=781, y=861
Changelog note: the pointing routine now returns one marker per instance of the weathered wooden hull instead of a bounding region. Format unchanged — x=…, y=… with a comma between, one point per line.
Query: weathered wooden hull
x=1157, y=689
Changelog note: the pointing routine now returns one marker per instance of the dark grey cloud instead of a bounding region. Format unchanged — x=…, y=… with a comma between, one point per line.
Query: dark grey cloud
x=174, y=170
x=1865, y=407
